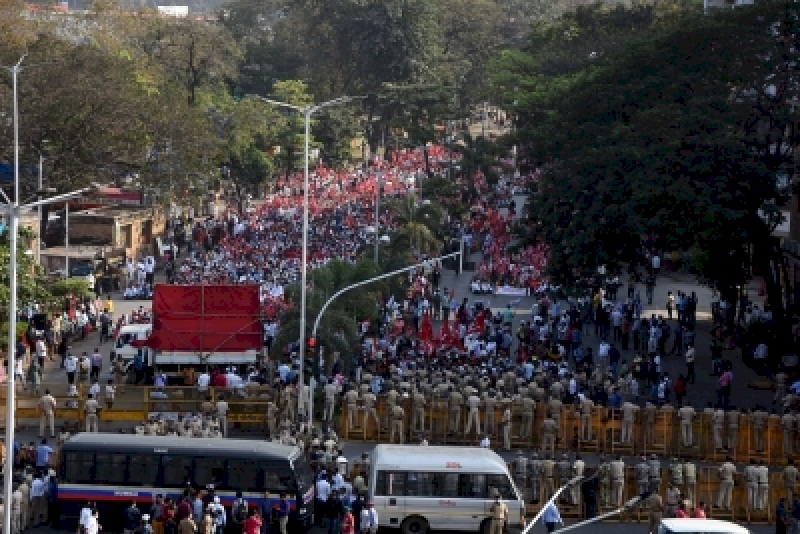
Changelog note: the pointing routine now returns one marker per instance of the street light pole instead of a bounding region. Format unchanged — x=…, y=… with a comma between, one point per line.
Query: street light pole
x=307, y=112
x=66, y=240
x=39, y=210
x=8, y=486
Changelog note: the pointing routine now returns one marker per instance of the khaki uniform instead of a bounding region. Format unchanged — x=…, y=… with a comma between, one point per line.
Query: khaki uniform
x=507, y=429
x=92, y=407
x=690, y=481
x=351, y=398
x=330, y=390
x=499, y=514
x=617, y=482
x=369, y=410
x=628, y=417
x=520, y=468
x=578, y=468
x=549, y=478
x=528, y=414
x=726, y=473
x=789, y=482
x=604, y=479
x=536, y=478
x=272, y=419
x=655, y=512
x=489, y=403
x=649, y=423
x=47, y=410
x=474, y=415
x=398, y=414
x=655, y=474
x=759, y=421
x=686, y=417
x=762, y=500
x=643, y=476
x=787, y=424
x=549, y=435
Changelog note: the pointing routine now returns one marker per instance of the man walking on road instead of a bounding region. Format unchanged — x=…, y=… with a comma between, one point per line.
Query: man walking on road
x=47, y=414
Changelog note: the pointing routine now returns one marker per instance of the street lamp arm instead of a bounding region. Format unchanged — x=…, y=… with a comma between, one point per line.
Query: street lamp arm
x=276, y=102
x=341, y=100
x=369, y=281
x=61, y=198
x=5, y=197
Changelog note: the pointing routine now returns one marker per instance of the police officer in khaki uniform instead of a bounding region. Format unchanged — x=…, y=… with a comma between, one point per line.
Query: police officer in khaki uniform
x=369, y=410
x=507, y=428
x=272, y=420
x=489, y=403
x=548, y=476
x=474, y=414
x=676, y=473
x=649, y=423
x=521, y=469
x=536, y=477
x=351, y=397
x=655, y=473
x=617, y=481
x=578, y=469
x=92, y=407
x=643, y=476
x=397, y=415
x=726, y=473
x=759, y=420
x=762, y=471
x=528, y=414
x=456, y=400
x=629, y=410
x=549, y=435
x=686, y=417
x=690, y=480
x=790, y=480
x=655, y=512
x=418, y=403
x=604, y=481
x=499, y=515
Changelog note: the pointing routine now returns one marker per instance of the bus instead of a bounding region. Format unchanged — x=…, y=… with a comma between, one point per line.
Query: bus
x=420, y=488
x=113, y=470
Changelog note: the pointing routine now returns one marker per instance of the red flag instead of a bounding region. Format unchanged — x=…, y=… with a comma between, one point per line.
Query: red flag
x=426, y=328
x=478, y=325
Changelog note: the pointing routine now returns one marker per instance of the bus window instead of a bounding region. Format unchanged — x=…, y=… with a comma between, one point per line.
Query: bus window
x=208, y=470
x=177, y=470
x=112, y=466
x=244, y=475
x=446, y=484
x=80, y=466
x=473, y=486
x=420, y=485
x=142, y=470
x=501, y=484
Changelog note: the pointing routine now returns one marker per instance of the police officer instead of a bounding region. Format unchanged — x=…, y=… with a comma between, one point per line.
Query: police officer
x=690, y=480
x=733, y=428
x=617, y=468
x=788, y=426
x=536, y=477
x=473, y=416
x=629, y=410
x=604, y=481
x=790, y=480
x=686, y=417
x=351, y=397
x=549, y=435
x=564, y=476
x=549, y=476
x=726, y=473
x=762, y=472
x=655, y=473
x=92, y=407
x=521, y=468
x=655, y=512
x=369, y=410
x=507, y=428
x=717, y=426
x=578, y=468
x=759, y=420
x=643, y=476
x=751, y=477
x=587, y=409
x=398, y=414
x=418, y=403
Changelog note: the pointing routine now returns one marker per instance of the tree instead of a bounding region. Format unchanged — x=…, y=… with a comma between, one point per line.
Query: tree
x=418, y=228
x=670, y=145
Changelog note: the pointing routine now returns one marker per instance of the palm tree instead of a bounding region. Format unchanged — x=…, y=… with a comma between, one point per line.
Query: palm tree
x=418, y=226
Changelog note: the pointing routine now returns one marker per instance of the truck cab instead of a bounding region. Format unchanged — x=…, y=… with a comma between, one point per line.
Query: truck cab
x=123, y=345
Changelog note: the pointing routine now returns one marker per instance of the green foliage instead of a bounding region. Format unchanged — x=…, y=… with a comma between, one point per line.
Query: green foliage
x=76, y=287
x=663, y=139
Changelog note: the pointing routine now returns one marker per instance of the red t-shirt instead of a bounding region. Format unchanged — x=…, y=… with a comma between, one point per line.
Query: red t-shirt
x=348, y=524
x=252, y=525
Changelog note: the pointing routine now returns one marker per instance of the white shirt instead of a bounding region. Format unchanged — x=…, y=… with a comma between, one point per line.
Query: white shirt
x=203, y=381
x=369, y=518
x=92, y=526
x=37, y=488
x=485, y=443
x=338, y=481
x=323, y=490
x=86, y=513
x=94, y=389
x=71, y=364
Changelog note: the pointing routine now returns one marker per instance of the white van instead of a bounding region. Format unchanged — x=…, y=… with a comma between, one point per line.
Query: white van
x=123, y=347
x=420, y=488
x=700, y=526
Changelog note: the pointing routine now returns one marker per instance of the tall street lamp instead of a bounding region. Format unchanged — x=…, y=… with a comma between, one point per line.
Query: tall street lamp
x=12, y=211
x=378, y=185
x=307, y=112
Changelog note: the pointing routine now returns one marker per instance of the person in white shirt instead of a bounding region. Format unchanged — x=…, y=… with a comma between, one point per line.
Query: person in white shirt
x=85, y=515
x=203, y=381
x=369, y=519
x=485, y=442
x=322, y=491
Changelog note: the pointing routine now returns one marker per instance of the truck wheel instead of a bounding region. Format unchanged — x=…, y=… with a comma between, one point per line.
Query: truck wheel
x=414, y=525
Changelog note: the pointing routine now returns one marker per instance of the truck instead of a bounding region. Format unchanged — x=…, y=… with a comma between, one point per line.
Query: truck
x=202, y=326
